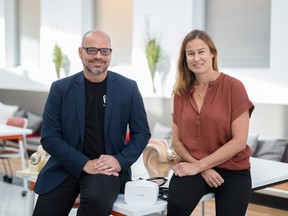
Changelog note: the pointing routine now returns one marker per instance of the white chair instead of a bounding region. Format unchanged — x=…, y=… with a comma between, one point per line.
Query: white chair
x=8, y=151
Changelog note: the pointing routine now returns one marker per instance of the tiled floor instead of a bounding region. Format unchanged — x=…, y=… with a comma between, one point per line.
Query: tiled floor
x=12, y=203
x=11, y=200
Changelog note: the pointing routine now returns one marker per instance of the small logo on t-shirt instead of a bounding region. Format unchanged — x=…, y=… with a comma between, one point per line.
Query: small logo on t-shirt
x=104, y=100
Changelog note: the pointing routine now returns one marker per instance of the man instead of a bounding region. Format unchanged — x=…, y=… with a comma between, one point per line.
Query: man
x=85, y=122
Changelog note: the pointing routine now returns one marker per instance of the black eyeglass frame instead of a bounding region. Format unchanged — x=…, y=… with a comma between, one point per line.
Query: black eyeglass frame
x=95, y=50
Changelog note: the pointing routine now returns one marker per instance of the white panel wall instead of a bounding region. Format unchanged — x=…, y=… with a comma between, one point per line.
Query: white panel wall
x=2, y=36
x=269, y=120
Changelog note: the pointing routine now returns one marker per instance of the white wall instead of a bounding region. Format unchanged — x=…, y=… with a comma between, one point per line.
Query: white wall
x=269, y=120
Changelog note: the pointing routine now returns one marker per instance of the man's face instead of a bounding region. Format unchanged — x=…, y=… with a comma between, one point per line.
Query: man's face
x=95, y=53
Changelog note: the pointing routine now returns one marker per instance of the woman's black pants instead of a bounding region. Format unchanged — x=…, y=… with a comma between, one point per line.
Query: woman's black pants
x=231, y=198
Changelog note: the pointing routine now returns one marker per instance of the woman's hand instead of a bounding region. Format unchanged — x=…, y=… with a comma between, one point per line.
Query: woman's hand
x=185, y=169
x=212, y=178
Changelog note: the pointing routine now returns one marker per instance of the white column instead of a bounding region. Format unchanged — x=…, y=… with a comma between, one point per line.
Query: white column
x=8, y=36
x=2, y=36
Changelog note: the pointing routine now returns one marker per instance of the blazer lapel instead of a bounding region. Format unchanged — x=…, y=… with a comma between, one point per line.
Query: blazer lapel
x=110, y=90
x=79, y=92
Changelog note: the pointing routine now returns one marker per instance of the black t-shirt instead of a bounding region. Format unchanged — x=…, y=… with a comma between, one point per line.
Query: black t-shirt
x=95, y=98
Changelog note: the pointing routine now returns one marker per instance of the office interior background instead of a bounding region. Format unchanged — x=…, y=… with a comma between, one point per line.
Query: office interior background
x=251, y=37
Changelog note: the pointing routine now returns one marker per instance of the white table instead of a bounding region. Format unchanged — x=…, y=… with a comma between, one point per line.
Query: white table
x=265, y=173
x=10, y=132
x=138, y=210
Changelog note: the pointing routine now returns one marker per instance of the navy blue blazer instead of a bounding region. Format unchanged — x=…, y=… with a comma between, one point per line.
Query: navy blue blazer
x=63, y=128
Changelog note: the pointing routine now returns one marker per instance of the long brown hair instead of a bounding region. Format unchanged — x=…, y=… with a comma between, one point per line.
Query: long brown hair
x=185, y=76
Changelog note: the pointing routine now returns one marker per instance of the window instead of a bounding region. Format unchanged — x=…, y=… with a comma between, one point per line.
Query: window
x=241, y=31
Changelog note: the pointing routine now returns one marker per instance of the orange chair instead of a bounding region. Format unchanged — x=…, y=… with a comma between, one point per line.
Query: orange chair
x=7, y=152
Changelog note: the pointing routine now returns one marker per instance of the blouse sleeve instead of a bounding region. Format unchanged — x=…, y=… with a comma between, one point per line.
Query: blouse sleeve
x=174, y=107
x=240, y=100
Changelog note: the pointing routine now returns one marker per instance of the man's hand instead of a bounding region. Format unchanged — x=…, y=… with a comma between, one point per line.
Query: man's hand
x=105, y=164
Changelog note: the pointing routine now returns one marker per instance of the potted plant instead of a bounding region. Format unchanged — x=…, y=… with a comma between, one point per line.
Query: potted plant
x=153, y=51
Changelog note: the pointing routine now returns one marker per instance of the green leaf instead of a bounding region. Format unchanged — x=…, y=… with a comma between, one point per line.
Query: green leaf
x=57, y=59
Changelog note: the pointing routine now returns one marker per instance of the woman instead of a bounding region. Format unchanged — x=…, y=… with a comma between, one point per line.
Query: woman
x=211, y=112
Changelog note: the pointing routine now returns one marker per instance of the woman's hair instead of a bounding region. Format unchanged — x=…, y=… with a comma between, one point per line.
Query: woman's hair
x=185, y=76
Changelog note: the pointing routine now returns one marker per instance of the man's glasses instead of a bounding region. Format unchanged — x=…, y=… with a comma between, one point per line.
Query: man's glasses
x=94, y=50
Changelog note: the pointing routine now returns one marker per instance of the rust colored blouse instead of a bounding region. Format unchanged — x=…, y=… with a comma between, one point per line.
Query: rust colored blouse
x=204, y=132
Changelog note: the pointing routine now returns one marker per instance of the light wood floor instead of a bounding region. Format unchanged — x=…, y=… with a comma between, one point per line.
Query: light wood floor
x=253, y=210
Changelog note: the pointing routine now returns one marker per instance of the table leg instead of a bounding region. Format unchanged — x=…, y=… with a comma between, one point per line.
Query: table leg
x=31, y=198
x=23, y=164
x=203, y=208
x=31, y=202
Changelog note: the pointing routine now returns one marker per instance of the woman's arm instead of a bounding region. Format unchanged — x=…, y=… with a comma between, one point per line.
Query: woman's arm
x=179, y=147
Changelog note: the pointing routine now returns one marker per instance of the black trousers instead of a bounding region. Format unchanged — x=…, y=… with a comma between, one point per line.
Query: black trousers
x=97, y=195
x=231, y=198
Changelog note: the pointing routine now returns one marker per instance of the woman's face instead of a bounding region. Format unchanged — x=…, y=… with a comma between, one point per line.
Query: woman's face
x=198, y=55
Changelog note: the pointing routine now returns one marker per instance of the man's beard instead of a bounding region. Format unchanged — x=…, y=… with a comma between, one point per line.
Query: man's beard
x=95, y=71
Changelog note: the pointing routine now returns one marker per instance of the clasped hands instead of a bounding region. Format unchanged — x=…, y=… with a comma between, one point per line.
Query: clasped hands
x=211, y=177
x=105, y=164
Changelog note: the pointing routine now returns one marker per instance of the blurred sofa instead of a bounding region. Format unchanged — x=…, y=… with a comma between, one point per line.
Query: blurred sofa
x=270, y=148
